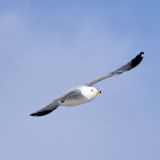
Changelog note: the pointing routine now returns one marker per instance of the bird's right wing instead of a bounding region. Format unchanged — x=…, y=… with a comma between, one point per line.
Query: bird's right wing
x=133, y=63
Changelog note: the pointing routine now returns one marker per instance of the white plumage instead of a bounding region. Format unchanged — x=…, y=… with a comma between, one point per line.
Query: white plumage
x=86, y=93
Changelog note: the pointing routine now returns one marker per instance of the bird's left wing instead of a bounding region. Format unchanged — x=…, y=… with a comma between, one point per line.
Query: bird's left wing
x=56, y=103
x=48, y=109
x=133, y=63
x=69, y=94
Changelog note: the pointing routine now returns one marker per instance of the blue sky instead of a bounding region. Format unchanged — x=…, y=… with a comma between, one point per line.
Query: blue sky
x=48, y=47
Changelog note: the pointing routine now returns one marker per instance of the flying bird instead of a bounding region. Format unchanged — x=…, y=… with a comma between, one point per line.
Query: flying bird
x=85, y=93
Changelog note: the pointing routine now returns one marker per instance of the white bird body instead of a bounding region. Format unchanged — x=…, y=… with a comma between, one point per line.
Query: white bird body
x=86, y=92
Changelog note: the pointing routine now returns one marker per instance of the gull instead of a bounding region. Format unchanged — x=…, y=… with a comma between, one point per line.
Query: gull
x=86, y=92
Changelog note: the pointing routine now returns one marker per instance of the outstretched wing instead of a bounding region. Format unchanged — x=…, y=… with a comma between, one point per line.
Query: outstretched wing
x=69, y=94
x=55, y=104
x=133, y=63
x=46, y=110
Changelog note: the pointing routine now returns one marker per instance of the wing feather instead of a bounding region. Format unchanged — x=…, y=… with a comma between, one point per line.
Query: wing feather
x=55, y=104
x=130, y=65
x=46, y=110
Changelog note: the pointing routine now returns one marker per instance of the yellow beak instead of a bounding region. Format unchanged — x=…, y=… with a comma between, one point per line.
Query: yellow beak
x=99, y=91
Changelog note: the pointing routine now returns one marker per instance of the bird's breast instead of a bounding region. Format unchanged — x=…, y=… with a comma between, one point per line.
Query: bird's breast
x=75, y=100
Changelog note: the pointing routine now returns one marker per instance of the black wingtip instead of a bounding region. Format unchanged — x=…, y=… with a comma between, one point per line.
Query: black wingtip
x=137, y=60
x=141, y=54
x=43, y=113
x=33, y=114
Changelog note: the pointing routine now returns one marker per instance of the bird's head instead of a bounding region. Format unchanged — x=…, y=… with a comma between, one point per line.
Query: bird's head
x=90, y=92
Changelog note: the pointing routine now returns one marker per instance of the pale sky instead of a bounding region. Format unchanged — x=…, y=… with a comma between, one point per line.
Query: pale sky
x=48, y=47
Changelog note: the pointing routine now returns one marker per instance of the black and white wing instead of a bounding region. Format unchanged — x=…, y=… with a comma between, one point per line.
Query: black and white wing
x=133, y=63
x=46, y=110
x=56, y=103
